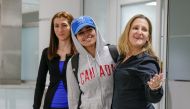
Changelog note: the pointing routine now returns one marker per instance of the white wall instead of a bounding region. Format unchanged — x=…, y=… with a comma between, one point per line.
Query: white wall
x=104, y=13
x=98, y=13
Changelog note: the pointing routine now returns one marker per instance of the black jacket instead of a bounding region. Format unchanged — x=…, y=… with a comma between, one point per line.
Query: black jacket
x=55, y=76
x=131, y=90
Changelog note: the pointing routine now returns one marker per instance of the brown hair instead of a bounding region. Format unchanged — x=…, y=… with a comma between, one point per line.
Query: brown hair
x=123, y=44
x=53, y=45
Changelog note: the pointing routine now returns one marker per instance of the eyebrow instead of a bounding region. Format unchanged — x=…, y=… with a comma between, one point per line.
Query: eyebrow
x=87, y=27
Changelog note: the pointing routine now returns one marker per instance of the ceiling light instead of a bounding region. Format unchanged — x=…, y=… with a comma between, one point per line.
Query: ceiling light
x=151, y=3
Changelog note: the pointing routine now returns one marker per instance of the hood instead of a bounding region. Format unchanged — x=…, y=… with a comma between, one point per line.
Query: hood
x=100, y=43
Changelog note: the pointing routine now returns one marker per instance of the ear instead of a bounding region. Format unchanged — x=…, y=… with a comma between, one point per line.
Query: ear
x=148, y=38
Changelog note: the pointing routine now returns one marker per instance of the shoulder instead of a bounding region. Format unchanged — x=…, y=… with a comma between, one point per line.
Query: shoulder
x=144, y=57
x=45, y=49
x=146, y=61
x=45, y=52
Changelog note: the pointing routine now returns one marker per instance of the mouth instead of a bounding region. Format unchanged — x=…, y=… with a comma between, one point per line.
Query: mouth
x=61, y=34
x=138, y=37
x=87, y=39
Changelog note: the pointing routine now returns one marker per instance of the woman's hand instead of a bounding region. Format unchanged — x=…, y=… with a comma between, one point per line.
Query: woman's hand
x=156, y=82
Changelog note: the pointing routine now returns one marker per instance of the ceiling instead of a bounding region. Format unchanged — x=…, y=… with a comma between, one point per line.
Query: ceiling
x=30, y=6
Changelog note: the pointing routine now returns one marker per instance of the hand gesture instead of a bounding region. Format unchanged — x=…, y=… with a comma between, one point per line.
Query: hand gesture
x=156, y=82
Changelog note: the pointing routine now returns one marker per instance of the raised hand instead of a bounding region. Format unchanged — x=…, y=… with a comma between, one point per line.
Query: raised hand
x=156, y=82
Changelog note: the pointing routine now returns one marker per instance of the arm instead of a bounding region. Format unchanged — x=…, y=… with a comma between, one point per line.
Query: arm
x=41, y=80
x=72, y=87
x=153, y=92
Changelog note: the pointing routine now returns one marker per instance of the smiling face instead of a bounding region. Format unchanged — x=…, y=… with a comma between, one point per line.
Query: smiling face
x=87, y=37
x=138, y=34
x=62, y=28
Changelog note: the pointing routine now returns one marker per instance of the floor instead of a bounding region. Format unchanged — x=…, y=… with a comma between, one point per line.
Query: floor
x=17, y=96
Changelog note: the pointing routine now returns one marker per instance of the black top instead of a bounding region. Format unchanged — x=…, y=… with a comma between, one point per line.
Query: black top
x=131, y=90
x=55, y=76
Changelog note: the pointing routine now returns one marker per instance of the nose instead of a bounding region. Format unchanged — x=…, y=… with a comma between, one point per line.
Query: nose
x=139, y=31
x=60, y=29
x=85, y=34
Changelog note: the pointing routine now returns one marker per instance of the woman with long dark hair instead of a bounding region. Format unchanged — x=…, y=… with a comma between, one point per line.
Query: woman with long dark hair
x=54, y=59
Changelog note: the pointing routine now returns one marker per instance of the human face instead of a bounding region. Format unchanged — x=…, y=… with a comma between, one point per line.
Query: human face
x=87, y=37
x=138, y=34
x=62, y=28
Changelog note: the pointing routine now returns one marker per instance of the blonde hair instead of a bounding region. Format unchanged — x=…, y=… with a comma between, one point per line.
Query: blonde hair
x=124, y=45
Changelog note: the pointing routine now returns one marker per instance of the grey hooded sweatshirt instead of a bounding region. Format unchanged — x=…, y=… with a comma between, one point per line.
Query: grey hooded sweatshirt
x=95, y=77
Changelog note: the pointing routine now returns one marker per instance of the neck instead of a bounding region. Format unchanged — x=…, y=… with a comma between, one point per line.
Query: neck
x=92, y=50
x=135, y=51
x=64, y=45
x=132, y=52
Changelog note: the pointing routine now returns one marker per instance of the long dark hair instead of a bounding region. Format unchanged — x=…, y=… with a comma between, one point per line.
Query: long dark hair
x=53, y=45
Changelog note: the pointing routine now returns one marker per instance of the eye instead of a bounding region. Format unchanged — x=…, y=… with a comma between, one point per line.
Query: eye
x=81, y=33
x=135, y=28
x=89, y=30
x=144, y=29
x=64, y=25
x=56, y=25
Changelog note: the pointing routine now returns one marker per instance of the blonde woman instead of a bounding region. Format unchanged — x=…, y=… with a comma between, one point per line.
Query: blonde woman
x=136, y=82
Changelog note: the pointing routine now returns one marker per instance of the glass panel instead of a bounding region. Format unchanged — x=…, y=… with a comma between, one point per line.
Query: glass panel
x=29, y=65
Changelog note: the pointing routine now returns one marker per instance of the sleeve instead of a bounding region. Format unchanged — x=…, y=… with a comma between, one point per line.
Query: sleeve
x=148, y=69
x=72, y=87
x=41, y=80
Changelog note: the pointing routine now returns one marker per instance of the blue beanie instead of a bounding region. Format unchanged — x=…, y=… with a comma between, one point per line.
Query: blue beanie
x=80, y=22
